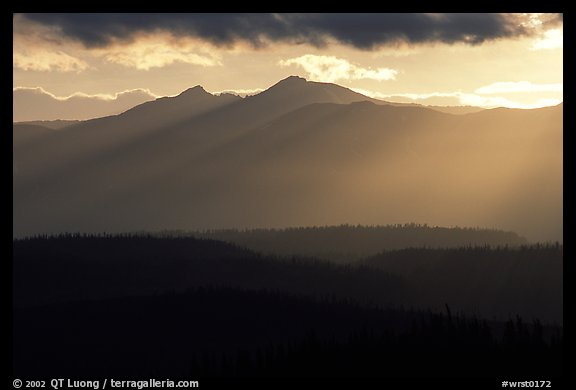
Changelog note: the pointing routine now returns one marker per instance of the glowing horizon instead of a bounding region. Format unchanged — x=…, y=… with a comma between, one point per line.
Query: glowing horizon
x=517, y=64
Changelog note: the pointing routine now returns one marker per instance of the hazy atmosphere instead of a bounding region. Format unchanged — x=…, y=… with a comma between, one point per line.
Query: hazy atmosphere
x=288, y=195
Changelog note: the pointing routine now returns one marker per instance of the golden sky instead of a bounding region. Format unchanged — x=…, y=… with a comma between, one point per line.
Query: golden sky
x=118, y=60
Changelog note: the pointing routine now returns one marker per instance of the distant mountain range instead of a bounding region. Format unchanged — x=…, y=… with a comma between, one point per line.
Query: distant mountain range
x=32, y=104
x=297, y=154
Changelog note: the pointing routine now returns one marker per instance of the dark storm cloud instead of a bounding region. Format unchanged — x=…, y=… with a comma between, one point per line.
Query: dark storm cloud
x=552, y=20
x=365, y=31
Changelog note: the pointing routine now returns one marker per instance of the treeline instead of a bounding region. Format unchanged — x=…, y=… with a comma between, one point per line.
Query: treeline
x=81, y=266
x=352, y=242
x=489, y=282
x=223, y=332
x=485, y=279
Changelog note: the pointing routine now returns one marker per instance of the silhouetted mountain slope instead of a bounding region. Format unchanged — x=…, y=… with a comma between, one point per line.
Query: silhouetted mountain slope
x=55, y=124
x=24, y=134
x=347, y=243
x=488, y=282
x=530, y=279
x=169, y=110
x=293, y=156
x=283, y=97
x=74, y=267
x=295, y=92
x=95, y=139
x=232, y=333
x=456, y=110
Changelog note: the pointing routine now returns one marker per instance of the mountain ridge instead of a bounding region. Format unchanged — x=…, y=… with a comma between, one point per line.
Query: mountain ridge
x=322, y=92
x=300, y=154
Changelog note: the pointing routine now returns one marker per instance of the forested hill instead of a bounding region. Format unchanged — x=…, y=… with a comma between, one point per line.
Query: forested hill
x=221, y=332
x=348, y=242
x=486, y=281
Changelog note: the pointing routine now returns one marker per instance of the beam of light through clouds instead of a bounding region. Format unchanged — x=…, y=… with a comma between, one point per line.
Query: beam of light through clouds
x=83, y=66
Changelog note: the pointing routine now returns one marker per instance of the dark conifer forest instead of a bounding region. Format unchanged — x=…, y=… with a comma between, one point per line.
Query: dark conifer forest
x=182, y=306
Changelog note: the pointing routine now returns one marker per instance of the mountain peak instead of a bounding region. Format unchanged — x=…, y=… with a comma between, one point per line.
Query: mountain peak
x=194, y=91
x=292, y=80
